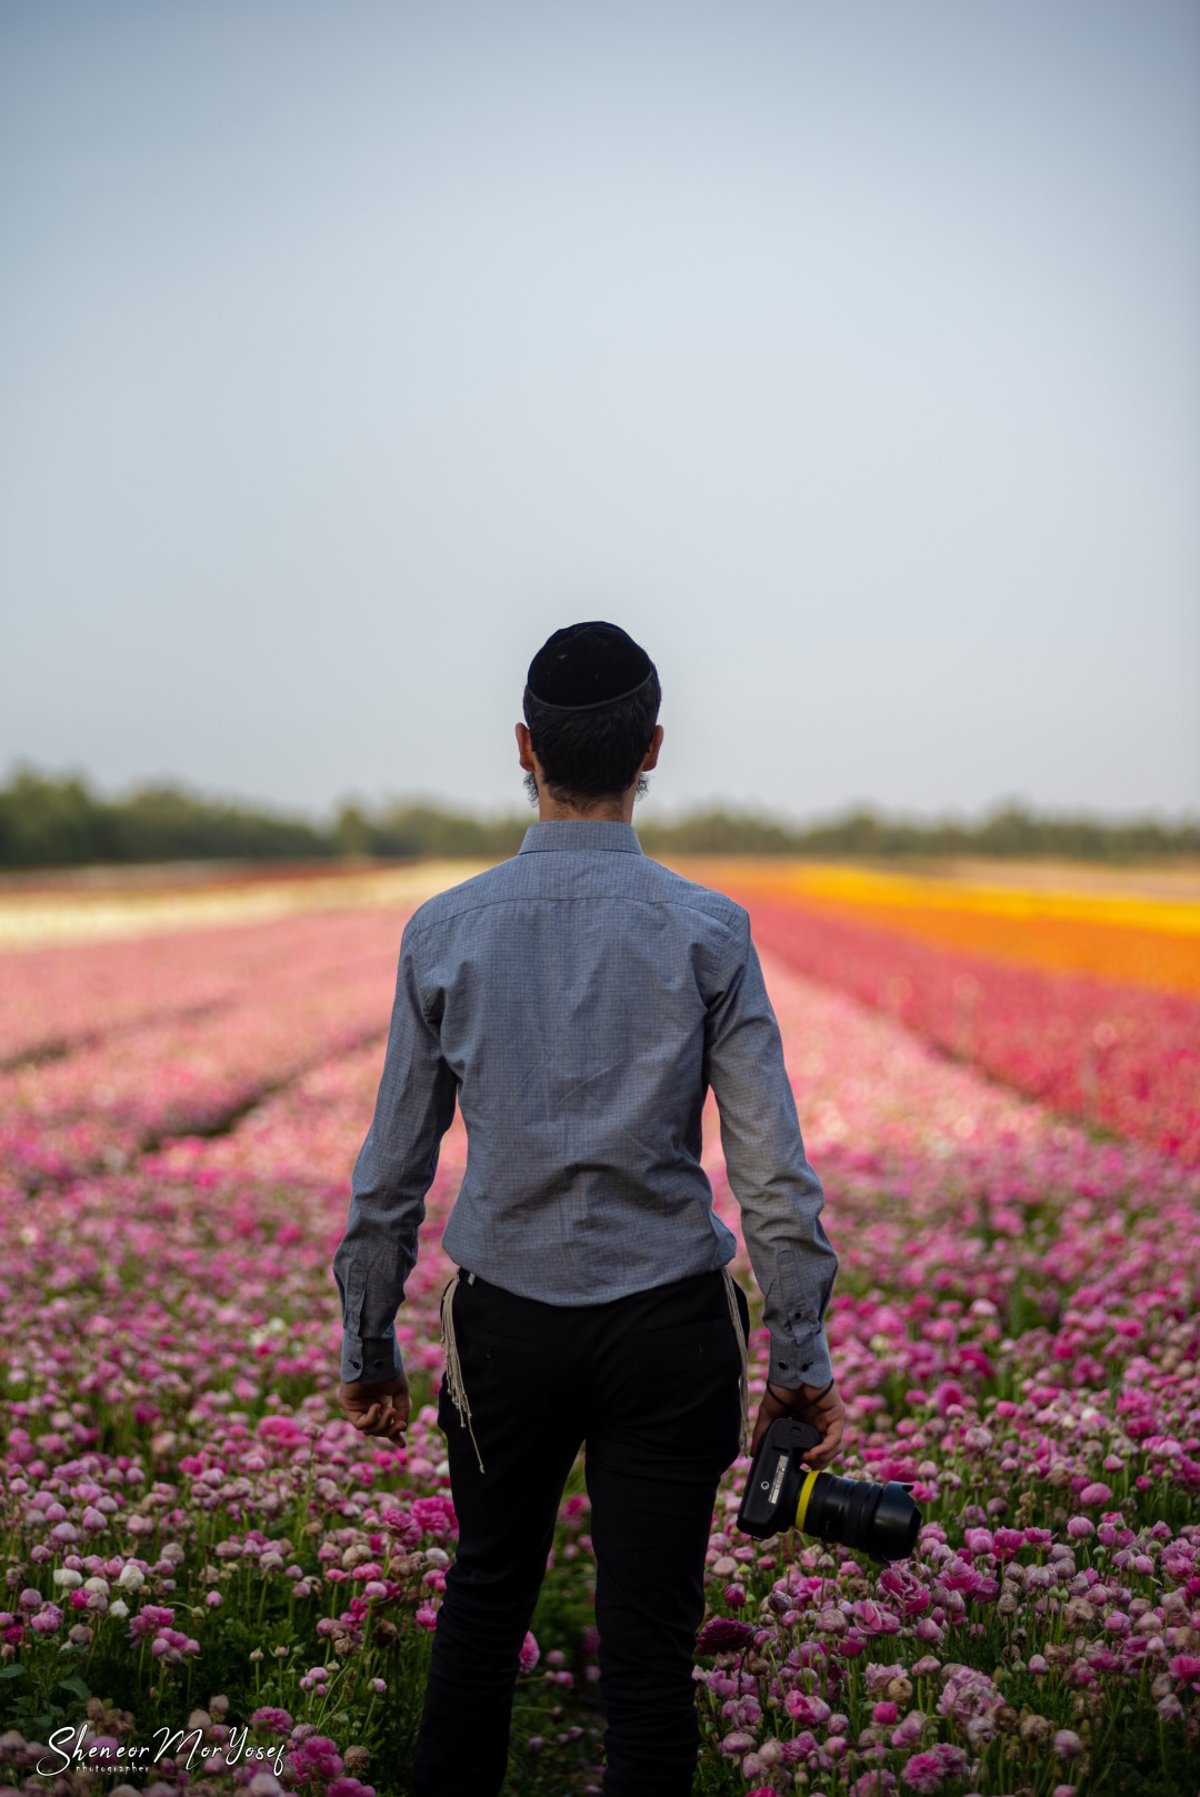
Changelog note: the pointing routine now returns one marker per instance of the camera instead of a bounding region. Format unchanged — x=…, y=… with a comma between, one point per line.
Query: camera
x=782, y=1493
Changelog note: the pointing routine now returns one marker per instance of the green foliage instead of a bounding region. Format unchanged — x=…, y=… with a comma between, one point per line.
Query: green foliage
x=49, y=821
x=37, y=1705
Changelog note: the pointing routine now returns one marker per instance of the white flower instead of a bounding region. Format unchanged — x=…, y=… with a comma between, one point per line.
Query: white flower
x=268, y=1332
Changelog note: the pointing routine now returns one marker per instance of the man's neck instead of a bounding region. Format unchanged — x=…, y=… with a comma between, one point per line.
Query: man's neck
x=616, y=813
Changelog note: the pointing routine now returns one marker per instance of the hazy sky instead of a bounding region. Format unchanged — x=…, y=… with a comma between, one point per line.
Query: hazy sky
x=847, y=355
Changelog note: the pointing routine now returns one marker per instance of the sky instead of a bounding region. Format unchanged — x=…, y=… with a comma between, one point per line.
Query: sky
x=846, y=356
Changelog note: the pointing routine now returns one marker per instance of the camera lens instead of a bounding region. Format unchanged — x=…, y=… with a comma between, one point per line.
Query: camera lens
x=881, y=1520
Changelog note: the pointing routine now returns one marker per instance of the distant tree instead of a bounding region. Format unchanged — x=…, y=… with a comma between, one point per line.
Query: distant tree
x=47, y=822
x=353, y=833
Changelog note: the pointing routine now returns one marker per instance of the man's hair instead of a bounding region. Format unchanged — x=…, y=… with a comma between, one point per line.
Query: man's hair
x=594, y=752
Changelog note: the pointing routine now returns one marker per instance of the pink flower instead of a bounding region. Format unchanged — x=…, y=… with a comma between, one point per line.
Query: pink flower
x=813, y=1712
x=878, y=1782
x=1097, y=1493
x=315, y=1756
x=271, y=1720
x=902, y=1585
x=873, y=1619
x=149, y=1618
x=1185, y=1669
x=435, y=1515
x=405, y=1525
x=530, y=1653
x=922, y=1772
x=909, y=1731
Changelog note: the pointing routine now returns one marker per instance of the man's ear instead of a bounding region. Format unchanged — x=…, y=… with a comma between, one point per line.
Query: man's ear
x=652, y=752
x=525, y=747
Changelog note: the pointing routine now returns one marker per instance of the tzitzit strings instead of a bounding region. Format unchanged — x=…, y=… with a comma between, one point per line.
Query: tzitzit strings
x=454, y=1378
x=735, y=1313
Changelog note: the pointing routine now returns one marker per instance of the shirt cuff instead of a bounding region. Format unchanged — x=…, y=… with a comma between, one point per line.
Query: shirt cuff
x=370, y=1359
x=804, y=1362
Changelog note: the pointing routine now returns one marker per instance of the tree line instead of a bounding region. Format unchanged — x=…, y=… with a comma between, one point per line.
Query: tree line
x=51, y=821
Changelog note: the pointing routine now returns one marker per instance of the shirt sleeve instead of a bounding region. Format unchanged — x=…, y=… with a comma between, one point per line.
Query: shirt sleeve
x=392, y=1174
x=780, y=1195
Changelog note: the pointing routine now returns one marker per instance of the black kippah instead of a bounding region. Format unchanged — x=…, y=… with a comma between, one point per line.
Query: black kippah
x=587, y=664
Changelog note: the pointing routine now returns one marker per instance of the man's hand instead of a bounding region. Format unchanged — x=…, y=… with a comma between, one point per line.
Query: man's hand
x=828, y=1414
x=380, y=1409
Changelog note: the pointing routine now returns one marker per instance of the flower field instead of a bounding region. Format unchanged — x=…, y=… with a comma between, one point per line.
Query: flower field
x=233, y=1590
x=1089, y=1003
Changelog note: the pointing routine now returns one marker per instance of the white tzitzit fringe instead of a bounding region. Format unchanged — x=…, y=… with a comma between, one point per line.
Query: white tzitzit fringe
x=454, y=1378
x=735, y=1313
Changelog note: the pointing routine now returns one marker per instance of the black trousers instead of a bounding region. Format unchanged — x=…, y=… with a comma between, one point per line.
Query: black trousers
x=651, y=1384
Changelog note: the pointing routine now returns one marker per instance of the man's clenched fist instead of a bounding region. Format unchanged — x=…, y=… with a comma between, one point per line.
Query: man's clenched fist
x=379, y=1409
x=823, y=1409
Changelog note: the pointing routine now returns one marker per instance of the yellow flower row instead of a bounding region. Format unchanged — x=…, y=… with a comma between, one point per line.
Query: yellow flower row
x=1113, y=936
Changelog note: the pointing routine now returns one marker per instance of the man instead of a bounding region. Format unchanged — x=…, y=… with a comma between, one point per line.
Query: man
x=577, y=1001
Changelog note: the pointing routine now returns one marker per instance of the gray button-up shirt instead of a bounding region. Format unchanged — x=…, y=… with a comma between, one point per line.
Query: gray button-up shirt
x=577, y=1001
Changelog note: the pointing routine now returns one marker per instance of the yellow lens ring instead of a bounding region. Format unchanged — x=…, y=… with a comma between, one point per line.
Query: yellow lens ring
x=805, y=1494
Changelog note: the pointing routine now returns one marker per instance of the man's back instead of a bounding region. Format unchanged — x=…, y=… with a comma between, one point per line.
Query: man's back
x=577, y=1001
x=571, y=988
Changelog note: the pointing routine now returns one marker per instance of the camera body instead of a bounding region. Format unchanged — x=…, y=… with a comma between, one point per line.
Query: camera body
x=782, y=1493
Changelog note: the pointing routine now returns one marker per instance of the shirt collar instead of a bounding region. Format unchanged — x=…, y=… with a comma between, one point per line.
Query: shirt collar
x=581, y=833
